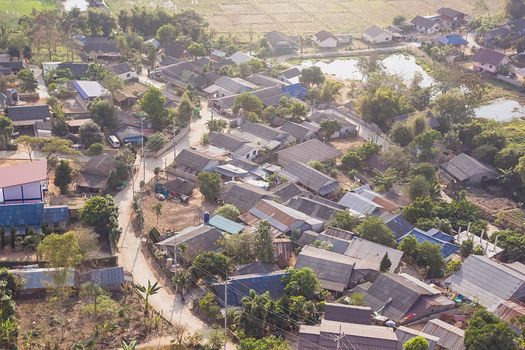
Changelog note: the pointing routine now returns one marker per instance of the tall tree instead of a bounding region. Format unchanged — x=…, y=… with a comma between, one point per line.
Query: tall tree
x=312, y=76
x=302, y=282
x=209, y=184
x=416, y=343
x=90, y=133
x=264, y=242
x=373, y=229
x=63, y=175
x=28, y=80
x=486, y=332
x=152, y=103
x=101, y=213
x=515, y=9
x=104, y=113
x=385, y=264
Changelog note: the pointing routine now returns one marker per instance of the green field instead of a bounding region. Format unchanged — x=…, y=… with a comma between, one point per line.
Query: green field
x=305, y=16
x=18, y=8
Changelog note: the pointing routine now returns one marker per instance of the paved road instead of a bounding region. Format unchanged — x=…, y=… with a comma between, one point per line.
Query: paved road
x=42, y=87
x=132, y=258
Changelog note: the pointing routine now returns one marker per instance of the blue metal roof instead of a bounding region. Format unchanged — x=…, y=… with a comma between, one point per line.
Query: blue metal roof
x=240, y=286
x=42, y=278
x=399, y=225
x=434, y=232
x=453, y=39
x=447, y=248
x=55, y=214
x=110, y=276
x=226, y=225
x=296, y=90
x=31, y=214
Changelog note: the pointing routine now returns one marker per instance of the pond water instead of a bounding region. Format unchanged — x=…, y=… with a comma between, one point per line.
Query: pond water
x=71, y=4
x=501, y=110
x=404, y=66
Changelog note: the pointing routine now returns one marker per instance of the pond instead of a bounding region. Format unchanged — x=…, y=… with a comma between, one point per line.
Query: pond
x=501, y=110
x=404, y=66
x=71, y=4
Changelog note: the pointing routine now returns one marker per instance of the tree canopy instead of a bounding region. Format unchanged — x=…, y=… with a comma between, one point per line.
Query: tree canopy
x=373, y=229
x=486, y=332
x=101, y=213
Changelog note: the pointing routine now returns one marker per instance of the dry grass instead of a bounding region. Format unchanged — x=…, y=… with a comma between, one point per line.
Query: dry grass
x=305, y=16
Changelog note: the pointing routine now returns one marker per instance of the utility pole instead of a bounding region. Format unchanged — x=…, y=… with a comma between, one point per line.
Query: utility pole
x=338, y=338
x=142, y=148
x=225, y=312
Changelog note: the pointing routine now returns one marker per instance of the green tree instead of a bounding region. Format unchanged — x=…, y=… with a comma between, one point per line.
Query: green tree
x=264, y=242
x=240, y=248
x=467, y=247
x=302, y=282
x=89, y=134
x=147, y=291
x=255, y=313
x=217, y=125
x=351, y=160
x=181, y=281
x=515, y=9
x=28, y=80
x=184, y=111
x=409, y=246
x=197, y=50
x=512, y=243
x=248, y=103
x=95, y=149
x=380, y=105
x=421, y=207
x=344, y=220
x=152, y=103
x=453, y=107
x=228, y=211
x=167, y=33
x=429, y=256
x=210, y=307
x=63, y=176
x=401, y=134
x=156, y=142
x=104, y=113
x=329, y=90
x=6, y=130
x=424, y=145
x=209, y=264
x=398, y=20
x=60, y=250
x=209, y=184
x=418, y=187
x=373, y=229
x=385, y=264
x=486, y=332
x=157, y=209
x=267, y=343
x=312, y=76
x=329, y=127
x=101, y=213
x=416, y=343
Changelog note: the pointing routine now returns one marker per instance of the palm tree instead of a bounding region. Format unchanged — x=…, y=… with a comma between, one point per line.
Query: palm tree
x=129, y=346
x=157, y=209
x=505, y=175
x=304, y=41
x=150, y=289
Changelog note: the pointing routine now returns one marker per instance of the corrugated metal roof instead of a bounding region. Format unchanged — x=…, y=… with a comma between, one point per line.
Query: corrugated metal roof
x=486, y=281
x=450, y=337
x=199, y=239
x=359, y=204
x=312, y=179
x=360, y=248
x=348, y=313
x=421, y=236
x=404, y=334
x=21, y=214
x=226, y=225
x=462, y=167
x=89, y=89
x=307, y=151
x=281, y=216
x=111, y=276
x=312, y=207
x=43, y=278
x=244, y=196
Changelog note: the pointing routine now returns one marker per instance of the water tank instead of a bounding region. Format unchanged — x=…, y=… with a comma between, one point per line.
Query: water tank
x=206, y=217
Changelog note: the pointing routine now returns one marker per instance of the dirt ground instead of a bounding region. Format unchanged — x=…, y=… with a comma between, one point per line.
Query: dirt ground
x=43, y=323
x=176, y=216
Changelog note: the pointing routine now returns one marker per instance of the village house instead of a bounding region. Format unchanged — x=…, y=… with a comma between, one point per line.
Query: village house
x=454, y=40
x=226, y=225
x=450, y=337
x=189, y=163
x=99, y=48
x=333, y=335
x=94, y=175
x=450, y=17
x=197, y=239
x=22, y=198
x=347, y=128
x=123, y=71
x=434, y=236
x=372, y=252
x=339, y=245
x=397, y=223
x=153, y=42
x=326, y=40
x=489, y=282
x=488, y=60
x=89, y=91
x=240, y=58
x=348, y=313
x=362, y=201
x=310, y=178
x=244, y=195
x=317, y=207
x=306, y=152
x=425, y=25
x=490, y=250
x=237, y=146
x=282, y=218
x=10, y=65
x=280, y=43
x=404, y=334
x=403, y=298
x=336, y=272
x=28, y=118
x=78, y=70
x=286, y=190
x=377, y=35
x=467, y=170
x=301, y=132
x=290, y=75
x=226, y=86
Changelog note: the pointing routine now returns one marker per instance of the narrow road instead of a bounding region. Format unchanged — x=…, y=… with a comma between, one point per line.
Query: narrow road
x=130, y=254
x=42, y=87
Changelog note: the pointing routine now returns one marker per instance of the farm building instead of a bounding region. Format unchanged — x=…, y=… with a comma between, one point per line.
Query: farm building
x=468, y=170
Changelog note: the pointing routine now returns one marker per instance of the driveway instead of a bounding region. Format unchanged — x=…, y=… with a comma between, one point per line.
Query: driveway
x=42, y=88
x=131, y=256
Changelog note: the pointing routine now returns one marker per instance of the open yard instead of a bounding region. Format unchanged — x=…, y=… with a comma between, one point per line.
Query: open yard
x=305, y=16
x=18, y=8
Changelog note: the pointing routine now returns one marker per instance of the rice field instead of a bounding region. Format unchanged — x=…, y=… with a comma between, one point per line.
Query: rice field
x=307, y=16
x=18, y=8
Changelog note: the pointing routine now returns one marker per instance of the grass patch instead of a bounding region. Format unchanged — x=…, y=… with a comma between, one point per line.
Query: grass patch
x=18, y=8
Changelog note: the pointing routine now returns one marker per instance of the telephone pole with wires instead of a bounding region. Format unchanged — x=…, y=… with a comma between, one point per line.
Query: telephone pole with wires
x=225, y=311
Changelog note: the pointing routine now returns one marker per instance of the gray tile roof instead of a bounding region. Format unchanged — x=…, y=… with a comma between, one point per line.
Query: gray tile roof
x=362, y=337
x=226, y=141
x=373, y=252
x=462, y=167
x=348, y=313
x=30, y=112
x=450, y=337
x=192, y=161
x=286, y=190
x=489, y=56
x=404, y=334
x=324, y=34
x=120, y=68
x=423, y=22
x=243, y=195
x=256, y=268
x=306, y=152
x=487, y=281
x=264, y=131
x=276, y=38
x=447, y=11
x=310, y=178
x=299, y=131
x=375, y=31
x=264, y=80
x=316, y=209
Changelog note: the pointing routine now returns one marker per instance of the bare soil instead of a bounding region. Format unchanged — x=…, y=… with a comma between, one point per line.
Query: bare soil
x=45, y=324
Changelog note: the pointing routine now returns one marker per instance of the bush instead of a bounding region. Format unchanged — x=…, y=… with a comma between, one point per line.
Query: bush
x=351, y=160
x=156, y=142
x=453, y=266
x=228, y=211
x=95, y=149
